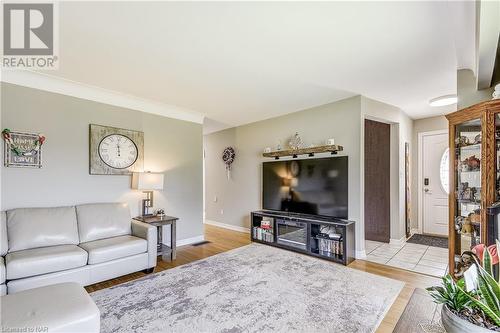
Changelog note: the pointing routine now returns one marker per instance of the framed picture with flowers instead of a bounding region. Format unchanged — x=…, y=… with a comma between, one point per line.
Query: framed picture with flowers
x=22, y=150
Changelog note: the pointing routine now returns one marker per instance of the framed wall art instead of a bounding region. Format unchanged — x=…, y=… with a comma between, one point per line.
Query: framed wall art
x=115, y=151
x=22, y=150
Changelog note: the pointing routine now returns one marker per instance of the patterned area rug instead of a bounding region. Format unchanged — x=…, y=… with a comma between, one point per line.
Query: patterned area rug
x=255, y=288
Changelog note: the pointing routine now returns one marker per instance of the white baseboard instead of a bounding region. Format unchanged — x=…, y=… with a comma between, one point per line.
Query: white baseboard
x=191, y=240
x=400, y=241
x=360, y=254
x=227, y=226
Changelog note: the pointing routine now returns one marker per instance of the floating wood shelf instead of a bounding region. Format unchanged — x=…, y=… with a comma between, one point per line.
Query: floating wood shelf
x=333, y=149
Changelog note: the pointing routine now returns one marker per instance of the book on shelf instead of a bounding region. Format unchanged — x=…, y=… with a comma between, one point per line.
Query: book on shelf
x=330, y=244
x=262, y=234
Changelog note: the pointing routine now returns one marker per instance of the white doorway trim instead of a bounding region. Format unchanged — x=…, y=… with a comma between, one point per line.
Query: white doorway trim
x=420, y=187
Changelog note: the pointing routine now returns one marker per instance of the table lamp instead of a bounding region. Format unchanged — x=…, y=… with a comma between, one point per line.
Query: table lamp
x=147, y=182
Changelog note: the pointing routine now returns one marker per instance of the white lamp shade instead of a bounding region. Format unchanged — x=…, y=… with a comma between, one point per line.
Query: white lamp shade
x=147, y=181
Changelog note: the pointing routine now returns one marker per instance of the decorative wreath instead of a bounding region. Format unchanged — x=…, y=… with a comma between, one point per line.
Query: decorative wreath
x=228, y=156
x=6, y=134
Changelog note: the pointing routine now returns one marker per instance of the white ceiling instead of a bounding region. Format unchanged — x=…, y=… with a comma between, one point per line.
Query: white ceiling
x=239, y=62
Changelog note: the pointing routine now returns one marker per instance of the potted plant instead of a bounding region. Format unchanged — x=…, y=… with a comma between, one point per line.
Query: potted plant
x=472, y=303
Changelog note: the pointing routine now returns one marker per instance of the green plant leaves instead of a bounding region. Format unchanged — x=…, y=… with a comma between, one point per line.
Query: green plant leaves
x=488, y=295
x=451, y=293
x=488, y=267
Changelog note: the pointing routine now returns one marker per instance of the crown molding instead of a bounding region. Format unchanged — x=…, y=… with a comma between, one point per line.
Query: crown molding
x=62, y=86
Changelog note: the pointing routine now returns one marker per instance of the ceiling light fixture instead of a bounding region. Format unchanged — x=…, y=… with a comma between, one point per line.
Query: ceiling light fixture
x=443, y=100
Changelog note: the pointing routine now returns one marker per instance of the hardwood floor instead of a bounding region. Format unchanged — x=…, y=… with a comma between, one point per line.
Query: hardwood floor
x=222, y=240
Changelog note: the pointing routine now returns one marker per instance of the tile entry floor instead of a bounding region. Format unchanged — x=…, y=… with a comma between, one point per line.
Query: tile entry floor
x=413, y=257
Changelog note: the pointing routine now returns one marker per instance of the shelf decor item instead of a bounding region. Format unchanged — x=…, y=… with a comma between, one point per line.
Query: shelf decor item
x=334, y=149
x=22, y=149
x=295, y=142
x=496, y=92
x=474, y=168
x=228, y=156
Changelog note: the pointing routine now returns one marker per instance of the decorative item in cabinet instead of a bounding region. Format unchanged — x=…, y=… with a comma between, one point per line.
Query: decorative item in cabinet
x=471, y=164
x=474, y=176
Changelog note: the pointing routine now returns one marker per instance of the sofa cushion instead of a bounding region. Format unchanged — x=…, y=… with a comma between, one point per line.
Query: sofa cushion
x=114, y=248
x=4, y=245
x=2, y=270
x=44, y=260
x=104, y=220
x=29, y=228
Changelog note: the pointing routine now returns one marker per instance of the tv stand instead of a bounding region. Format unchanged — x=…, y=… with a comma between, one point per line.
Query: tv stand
x=329, y=238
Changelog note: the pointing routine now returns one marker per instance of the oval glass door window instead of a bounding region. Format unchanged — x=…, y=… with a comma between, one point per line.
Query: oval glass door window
x=444, y=168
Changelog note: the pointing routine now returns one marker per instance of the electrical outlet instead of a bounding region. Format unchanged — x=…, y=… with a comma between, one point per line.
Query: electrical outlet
x=222, y=212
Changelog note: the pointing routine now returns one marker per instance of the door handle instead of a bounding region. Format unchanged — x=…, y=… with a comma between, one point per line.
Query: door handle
x=426, y=190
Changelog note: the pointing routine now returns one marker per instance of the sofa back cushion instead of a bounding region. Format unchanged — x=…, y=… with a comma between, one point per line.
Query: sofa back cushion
x=4, y=246
x=103, y=220
x=29, y=228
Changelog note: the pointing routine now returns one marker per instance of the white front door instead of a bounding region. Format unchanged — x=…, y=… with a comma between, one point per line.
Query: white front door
x=434, y=180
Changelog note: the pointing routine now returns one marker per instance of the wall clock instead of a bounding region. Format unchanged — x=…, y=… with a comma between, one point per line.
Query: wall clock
x=115, y=151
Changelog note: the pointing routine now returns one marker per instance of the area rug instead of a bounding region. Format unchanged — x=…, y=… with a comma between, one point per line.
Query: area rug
x=429, y=240
x=255, y=288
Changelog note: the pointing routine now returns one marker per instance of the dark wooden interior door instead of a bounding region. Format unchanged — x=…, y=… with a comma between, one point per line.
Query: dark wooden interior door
x=377, y=181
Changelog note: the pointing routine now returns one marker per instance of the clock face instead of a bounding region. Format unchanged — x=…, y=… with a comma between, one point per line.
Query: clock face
x=118, y=151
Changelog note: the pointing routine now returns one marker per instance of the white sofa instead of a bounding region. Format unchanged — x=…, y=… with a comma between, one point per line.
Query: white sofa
x=62, y=308
x=3, y=251
x=84, y=244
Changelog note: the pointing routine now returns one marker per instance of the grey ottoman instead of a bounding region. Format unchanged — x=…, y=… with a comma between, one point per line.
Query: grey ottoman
x=64, y=307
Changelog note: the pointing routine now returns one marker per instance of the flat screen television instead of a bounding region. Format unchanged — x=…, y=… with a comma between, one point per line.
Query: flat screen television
x=316, y=186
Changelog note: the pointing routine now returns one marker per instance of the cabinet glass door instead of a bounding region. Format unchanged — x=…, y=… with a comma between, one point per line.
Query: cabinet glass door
x=468, y=185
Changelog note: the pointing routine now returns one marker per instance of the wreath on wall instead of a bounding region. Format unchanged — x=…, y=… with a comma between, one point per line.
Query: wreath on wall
x=22, y=150
x=228, y=156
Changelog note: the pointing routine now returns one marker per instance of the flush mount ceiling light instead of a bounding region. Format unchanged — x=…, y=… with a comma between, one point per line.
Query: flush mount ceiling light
x=443, y=100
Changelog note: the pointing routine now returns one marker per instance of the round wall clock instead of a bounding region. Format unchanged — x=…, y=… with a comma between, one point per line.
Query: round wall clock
x=118, y=151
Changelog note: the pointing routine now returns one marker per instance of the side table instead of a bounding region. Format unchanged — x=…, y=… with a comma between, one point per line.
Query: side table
x=159, y=221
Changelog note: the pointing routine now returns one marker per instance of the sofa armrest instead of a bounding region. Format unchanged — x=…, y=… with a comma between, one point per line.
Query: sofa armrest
x=147, y=232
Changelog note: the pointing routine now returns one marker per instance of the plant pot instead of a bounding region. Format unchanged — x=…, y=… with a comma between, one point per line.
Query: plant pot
x=454, y=324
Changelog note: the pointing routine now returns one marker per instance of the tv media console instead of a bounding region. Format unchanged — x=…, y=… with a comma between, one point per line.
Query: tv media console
x=328, y=238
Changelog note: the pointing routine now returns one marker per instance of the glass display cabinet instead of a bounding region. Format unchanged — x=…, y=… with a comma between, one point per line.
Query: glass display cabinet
x=474, y=177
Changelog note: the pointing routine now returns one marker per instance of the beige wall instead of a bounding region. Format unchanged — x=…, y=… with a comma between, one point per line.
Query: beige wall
x=230, y=201
x=171, y=146
x=241, y=194
x=467, y=90
x=419, y=126
x=401, y=132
